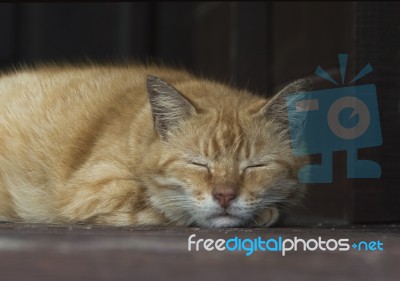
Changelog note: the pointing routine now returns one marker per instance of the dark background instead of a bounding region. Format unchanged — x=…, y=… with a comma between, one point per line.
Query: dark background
x=261, y=46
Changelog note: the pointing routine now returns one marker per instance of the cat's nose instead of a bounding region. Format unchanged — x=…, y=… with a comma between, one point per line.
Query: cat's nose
x=224, y=195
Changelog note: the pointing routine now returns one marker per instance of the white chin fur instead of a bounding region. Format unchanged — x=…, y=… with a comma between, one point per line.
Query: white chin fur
x=223, y=221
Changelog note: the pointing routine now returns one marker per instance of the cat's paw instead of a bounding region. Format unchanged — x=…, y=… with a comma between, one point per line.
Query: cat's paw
x=266, y=218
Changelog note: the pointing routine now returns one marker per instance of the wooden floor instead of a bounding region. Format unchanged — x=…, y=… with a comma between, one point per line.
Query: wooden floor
x=44, y=252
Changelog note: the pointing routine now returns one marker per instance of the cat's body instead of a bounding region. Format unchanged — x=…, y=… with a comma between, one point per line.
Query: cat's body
x=83, y=144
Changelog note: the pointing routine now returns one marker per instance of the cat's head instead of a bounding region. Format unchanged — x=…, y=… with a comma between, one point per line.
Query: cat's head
x=223, y=158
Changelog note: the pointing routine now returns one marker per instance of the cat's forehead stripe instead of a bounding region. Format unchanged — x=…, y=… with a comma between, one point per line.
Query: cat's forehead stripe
x=224, y=136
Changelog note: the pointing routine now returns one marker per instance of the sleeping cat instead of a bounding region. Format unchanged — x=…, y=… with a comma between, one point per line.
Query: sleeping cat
x=141, y=145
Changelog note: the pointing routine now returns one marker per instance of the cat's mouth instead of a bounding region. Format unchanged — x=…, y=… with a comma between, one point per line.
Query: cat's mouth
x=227, y=215
x=223, y=213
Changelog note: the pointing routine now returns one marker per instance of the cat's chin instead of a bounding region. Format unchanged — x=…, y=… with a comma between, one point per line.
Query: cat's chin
x=224, y=221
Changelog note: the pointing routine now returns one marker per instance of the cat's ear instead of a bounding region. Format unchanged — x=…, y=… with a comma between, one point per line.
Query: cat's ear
x=168, y=106
x=276, y=108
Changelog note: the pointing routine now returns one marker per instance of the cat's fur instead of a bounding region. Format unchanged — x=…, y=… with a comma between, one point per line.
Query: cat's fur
x=85, y=145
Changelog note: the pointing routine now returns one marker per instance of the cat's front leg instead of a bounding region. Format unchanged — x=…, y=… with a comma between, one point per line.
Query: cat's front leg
x=140, y=218
x=266, y=217
x=108, y=202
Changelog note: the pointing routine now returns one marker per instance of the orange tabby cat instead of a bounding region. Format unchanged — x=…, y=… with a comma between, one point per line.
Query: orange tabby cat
x=141, y=145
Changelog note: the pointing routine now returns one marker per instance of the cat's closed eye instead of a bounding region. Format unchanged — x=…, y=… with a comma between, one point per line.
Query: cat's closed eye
x=199, y=165
x=254, y=167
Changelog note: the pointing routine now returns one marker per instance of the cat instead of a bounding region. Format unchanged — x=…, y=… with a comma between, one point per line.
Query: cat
x=142, y=145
